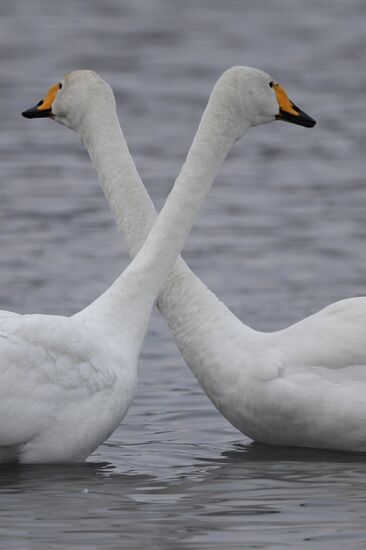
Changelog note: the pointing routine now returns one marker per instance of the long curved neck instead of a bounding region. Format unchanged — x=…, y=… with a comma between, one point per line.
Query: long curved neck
x=143, y=278
x=213, y=140
x=117, y=173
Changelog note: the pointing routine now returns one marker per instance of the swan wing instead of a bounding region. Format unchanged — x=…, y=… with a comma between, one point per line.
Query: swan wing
x=46, y=363
x=332, y=339
x=307, y=383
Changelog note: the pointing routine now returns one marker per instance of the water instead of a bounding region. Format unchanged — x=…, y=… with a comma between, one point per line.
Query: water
x=281, y=235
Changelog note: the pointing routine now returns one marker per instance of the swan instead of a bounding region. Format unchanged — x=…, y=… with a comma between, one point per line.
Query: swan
x=67, y=382
x=302, y=386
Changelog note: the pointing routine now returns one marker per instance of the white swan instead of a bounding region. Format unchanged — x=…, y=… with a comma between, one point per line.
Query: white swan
x=302, y=386
x=66, y=383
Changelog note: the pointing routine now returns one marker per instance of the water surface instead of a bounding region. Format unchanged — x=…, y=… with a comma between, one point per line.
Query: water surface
x=281, y=235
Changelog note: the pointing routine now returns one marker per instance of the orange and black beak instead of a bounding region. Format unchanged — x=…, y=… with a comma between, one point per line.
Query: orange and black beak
x=288, y=110
x=44, y=107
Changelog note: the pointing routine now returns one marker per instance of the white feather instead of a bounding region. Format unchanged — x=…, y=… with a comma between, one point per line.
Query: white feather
x=302, y=386
x=66, y=383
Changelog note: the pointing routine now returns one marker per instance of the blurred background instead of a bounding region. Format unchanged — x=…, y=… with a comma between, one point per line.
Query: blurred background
x=281, y=235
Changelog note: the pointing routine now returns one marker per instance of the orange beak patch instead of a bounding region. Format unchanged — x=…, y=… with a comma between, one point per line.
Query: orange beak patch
x=47, y=101
x=44, y=107
x=288, y=111
x=283, y=100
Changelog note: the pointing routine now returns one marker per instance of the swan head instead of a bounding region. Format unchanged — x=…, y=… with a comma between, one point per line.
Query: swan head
x=69, y=101
x=253, y=97
x=248, y=96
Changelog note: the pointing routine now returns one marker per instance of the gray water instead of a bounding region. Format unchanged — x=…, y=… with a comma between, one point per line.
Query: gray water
x=281, y=236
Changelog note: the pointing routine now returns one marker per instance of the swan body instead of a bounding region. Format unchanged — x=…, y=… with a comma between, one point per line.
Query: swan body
x=302, y=386
x=63, y=390
x=66, y=383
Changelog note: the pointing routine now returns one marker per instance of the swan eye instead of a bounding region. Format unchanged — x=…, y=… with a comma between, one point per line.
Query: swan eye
x=271, y=84
x=60, y=86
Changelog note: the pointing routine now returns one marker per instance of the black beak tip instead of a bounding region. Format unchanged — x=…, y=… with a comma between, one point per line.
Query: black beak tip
x=26, y=114
x=308, y=122
x=301, y=119
x=33, y=112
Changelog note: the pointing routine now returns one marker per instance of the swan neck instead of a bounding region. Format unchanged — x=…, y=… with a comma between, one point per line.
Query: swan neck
x=133, y=294
x=101, y=134
x=215, y=136
x=105, y=142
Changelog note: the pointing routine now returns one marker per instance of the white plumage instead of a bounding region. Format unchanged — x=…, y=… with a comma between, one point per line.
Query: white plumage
x=65, y=386
x=304, y=385
x=66, y=383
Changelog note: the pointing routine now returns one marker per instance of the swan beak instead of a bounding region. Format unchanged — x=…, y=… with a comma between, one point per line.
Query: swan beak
x=44, y=107
x=288, y=110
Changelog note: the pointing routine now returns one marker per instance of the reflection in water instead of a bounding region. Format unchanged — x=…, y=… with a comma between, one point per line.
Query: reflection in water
x=282, y=235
